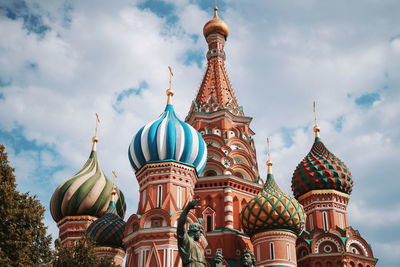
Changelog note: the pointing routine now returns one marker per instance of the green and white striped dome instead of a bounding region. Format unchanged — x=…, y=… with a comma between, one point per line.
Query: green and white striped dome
x=86, y=193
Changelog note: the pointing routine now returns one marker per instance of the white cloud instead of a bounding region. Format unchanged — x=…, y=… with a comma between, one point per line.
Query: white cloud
x=279, y=58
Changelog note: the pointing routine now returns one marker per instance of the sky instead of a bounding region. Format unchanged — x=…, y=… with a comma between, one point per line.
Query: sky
x=63, y=61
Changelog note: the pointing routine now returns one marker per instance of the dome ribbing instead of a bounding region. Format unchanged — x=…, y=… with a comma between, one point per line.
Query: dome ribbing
x=86, y=193
x=109, y=229
x=168, y=138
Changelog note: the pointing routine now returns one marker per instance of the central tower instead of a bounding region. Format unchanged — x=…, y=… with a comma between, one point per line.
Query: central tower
x=230, y=178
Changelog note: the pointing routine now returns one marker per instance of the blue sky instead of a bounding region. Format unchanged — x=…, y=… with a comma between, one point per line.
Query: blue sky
x=63, y=61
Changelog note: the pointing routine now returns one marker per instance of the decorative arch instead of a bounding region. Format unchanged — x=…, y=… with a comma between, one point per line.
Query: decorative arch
x=357, y=246
x=246, y=172
x=328, y=243
x=240, y=141
x=302, y=249
x=155, y=213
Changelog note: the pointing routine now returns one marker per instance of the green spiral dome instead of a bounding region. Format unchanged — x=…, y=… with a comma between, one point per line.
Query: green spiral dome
x=86, y=193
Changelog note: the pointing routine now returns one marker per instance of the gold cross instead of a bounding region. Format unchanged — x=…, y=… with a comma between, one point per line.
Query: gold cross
x=170, y=77
x=315, y=113
x=97, y=124
x=268, y=149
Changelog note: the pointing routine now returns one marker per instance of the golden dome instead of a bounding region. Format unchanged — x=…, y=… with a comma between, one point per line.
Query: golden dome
x=216, y=25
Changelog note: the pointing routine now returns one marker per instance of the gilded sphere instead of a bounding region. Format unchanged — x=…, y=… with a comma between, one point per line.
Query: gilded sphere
x=216, y=25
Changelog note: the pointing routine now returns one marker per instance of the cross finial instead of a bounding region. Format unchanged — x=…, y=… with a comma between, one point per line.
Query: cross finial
x=269, y=162
x=97, y=125
x=315, y=113
x=114, y=174
x=96, y=129
x=316, y=128
x=170, y=92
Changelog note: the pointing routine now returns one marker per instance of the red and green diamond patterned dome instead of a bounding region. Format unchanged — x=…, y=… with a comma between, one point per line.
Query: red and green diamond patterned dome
x=321, y=170
x=272, y=210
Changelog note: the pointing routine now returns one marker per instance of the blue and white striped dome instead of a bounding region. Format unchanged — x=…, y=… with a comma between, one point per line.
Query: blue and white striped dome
x=168, y=138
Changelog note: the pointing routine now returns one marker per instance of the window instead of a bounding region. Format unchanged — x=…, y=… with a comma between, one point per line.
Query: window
x=159, y=196
x=325, y=220
x=288, y=252
x=179, y=197
x=271, y=251
x=209, y=223
x=311, y=222
x=341, y=224
x=143, y=198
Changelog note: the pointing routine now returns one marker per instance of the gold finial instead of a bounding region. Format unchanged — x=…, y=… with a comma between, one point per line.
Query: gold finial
x=170, y=92
x=269, y=162
x=316, y=129
x=215, y=12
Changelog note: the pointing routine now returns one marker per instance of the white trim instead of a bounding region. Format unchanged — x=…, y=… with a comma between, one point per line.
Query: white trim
x=179, y=197
x=229, y=226
x=228, y=208
x=228, y=199
x=229, y=218
x=227, y=190
x=289, y=256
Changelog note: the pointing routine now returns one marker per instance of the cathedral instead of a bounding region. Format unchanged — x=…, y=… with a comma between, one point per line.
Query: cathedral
x=211, y=156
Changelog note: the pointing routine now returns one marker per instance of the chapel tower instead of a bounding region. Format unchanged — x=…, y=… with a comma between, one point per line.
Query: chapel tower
x=322, y=183
x=273, y=220
x=166, y=155
x=82, y=199
x=230, y=178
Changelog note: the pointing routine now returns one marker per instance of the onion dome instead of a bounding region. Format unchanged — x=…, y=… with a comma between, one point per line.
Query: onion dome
x=216, y=25
x=86, y=193
x=272, y=209
x=109, y=229
x=168, y=138
x=321, y=170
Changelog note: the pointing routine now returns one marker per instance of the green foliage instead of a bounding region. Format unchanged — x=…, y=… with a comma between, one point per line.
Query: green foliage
x=23, y=239
x=81, y=254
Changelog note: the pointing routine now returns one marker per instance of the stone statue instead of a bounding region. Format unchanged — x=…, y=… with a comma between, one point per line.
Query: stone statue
x=218, y=259
x=190, y=251
x=248, y=259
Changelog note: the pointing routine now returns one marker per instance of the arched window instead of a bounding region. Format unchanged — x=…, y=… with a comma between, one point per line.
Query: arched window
x=159, y=196
x=143, y=198
x=271, y=251
x=341, y=223
x=209, y=223
x=325, y=220
x=179, y=197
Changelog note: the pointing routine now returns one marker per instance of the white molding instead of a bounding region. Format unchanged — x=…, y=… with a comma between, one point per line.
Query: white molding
x=228, y=199
x=228, y=208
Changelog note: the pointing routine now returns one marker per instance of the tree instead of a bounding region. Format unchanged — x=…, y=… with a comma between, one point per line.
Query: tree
x=81, y=254
x=23, y=239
